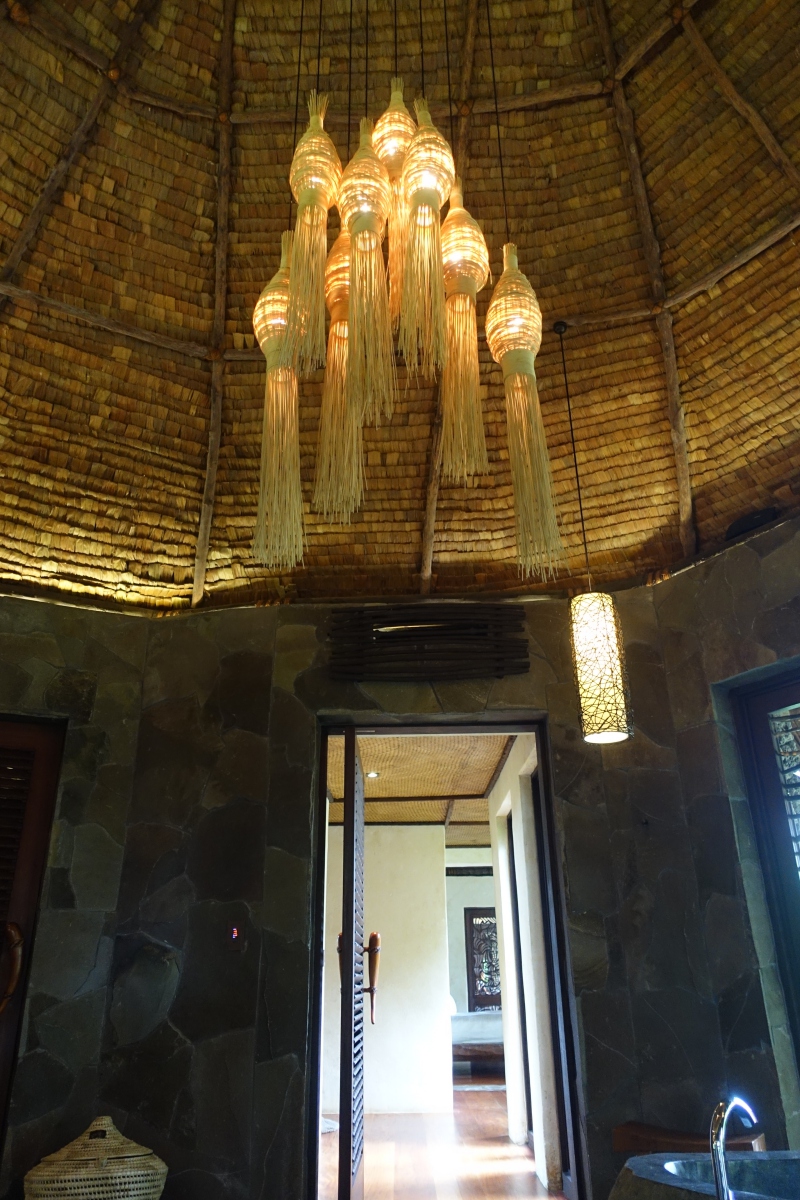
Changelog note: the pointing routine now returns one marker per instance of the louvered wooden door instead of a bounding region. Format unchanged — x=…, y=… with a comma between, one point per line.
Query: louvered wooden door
x=30, y=759
x=351, y=1079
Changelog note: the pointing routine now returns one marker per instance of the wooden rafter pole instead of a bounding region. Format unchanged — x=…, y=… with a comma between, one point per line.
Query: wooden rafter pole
x=730, y=93
x=225, y=96
x=461, y=157
x=652, y=256
x=55, y=181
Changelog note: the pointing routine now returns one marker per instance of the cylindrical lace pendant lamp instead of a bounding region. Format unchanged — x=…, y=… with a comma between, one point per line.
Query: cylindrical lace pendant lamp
x=598, y=657
x=365, y=197
x=466, y=270
x=314, y=178
x=428, y=177
x=394, y=130
x=278, y=539
x=514, y=334
x=338, y=485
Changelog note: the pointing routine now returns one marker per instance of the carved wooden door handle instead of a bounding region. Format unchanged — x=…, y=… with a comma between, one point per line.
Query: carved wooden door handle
x=15, y=942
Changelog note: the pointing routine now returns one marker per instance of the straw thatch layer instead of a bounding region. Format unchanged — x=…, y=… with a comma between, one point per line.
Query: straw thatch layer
x=105, y=438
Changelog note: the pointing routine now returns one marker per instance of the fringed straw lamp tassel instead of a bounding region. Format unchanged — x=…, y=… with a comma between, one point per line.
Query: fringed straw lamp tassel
x=428, y=176
x=314, y=178
x=365, y=197
x=338, y=486
x=278, y=539
x=466, y=270
x=393, y=133
x=514, y=334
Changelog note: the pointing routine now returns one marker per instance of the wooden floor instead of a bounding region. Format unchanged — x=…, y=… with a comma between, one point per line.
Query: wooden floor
x=440, y=1156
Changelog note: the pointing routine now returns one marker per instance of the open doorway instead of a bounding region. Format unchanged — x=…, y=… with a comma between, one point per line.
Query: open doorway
x=462, y=1079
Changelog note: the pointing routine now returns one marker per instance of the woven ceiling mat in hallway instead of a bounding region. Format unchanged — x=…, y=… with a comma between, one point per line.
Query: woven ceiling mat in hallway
x=127, y=360
x=429, y=765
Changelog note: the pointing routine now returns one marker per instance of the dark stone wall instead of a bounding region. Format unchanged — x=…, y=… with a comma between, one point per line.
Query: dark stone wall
x=60, y=662
x=187, y=806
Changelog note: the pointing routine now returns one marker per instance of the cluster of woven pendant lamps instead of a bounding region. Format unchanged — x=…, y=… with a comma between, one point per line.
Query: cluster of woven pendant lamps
x=424, y=293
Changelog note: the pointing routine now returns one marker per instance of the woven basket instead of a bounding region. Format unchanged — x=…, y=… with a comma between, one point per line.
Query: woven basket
x=98, y=1165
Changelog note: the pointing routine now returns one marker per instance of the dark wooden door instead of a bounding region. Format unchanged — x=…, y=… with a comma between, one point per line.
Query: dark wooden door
x=768, y=725
x=351, y=1080
x=30, y=759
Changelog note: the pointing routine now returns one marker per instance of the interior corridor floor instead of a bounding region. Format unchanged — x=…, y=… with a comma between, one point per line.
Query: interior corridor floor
x=440, y=1156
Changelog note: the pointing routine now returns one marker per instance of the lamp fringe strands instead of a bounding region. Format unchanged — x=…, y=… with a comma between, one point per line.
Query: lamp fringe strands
x=466, y=270
x=365, y=197
x=428, y=177
x=394, y=130
x=514, y=334
x=278, y=540
x=314, y=178
x=339, y=482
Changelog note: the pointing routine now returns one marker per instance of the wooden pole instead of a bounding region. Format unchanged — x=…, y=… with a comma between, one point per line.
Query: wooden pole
x=10, y=291
x=76, y=144
x=652, y=256
x=728, y=89
x=225, y=94
x=689, y=290
x=462, y=157
x=668, y=24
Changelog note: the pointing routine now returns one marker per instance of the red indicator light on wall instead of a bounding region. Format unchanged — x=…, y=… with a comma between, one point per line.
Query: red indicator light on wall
x=234, y=933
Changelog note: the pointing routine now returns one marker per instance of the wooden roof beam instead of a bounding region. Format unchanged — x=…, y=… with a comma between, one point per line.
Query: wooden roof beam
x=225, y=94
x=54, y=183
x=729, y=92
x=690, y=290
x=462, y=158
x=652, y=256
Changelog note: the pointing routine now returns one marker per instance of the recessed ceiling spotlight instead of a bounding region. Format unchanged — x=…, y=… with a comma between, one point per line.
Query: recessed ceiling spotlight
x=373, y=774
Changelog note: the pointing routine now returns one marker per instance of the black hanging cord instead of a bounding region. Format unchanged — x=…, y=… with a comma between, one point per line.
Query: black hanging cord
x=421, y=51
x=497, y=118
x=349, y=79
x=395, y=37
x=560, y=328
x=297, y=94
x=449, y=81
x=319, y=45
x=366, y=57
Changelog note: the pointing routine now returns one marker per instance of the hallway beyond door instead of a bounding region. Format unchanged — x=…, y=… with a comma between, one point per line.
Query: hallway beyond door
x=440, y=1157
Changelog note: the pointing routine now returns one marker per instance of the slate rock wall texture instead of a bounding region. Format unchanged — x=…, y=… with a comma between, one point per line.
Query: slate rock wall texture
x=187, y=806
x=84, y=667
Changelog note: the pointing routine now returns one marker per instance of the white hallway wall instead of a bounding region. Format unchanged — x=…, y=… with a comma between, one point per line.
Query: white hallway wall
x=409, y=1057
x=511, y=794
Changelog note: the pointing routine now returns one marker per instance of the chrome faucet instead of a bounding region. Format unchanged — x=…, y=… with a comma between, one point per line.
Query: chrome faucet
x=719, y=1124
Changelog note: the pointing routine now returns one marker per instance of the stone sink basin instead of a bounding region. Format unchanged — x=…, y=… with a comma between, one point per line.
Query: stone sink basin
x=771, y=1175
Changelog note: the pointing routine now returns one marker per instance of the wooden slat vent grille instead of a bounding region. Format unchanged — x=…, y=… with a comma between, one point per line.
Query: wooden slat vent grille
x=418, y=642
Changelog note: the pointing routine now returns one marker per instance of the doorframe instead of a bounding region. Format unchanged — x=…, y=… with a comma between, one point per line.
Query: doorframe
x=563, y=1014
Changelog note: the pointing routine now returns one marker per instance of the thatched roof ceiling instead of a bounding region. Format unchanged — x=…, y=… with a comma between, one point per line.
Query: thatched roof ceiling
x=110, y=204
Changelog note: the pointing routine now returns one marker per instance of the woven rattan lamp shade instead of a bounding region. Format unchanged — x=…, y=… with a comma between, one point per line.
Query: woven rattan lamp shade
x=465, y=258
x=339, y=478
x=314, y=177
x=394, y=130
x=365, y=193
x=428, y=177
x=598, y=657
x=272, y=306
x=465, y=262
x=278, y=536
x=514, y=334
x=365, y=198
x=513, y=319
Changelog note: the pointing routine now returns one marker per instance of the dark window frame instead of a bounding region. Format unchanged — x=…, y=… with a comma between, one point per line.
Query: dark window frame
x=751, y=708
